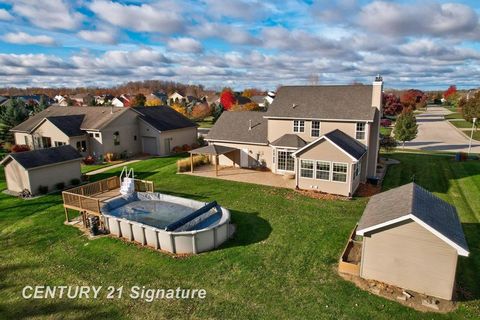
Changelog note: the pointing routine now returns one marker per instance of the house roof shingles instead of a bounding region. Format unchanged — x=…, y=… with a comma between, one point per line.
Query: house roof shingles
x=346, y=102
x=411, y=199
x=164, y=118
x=43, y=157
x=70, y=125
x=235, y=127
x=95, y=118
x=347, y=143
x=289, y=140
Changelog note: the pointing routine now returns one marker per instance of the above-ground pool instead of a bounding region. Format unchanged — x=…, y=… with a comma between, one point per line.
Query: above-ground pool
x=169, y=223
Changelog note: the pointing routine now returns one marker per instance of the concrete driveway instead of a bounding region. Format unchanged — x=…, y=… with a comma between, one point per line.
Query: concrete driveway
x=434, y=133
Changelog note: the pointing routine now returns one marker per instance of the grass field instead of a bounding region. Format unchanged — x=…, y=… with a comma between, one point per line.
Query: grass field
x=461, y=123
x=280, y=264
x=476, y=134
x=386, y=131
x=93, y=167
x=206, y=123
x=455, y=115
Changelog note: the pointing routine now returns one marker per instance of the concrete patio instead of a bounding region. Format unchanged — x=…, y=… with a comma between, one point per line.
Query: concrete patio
x=244, y=175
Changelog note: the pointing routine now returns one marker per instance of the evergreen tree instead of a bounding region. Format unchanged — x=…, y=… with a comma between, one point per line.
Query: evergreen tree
x=14, y=113
x=406, y=127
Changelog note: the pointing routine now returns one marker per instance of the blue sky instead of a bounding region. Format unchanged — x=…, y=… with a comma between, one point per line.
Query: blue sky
x=240, y=43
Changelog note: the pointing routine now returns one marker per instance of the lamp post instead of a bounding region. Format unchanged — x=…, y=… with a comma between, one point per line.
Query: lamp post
x=474, y=120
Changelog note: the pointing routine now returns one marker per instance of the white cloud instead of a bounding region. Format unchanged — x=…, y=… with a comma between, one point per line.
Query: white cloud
x=230, y=33
x=5, y=15
x=185, y=45
x=145, y=17
x=99, y=36
x=247, y=10
x=25, y=38
x=48, y=14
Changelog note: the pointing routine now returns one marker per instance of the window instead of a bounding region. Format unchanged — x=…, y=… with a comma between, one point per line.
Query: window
x=306, y=169
x=59, y=143
x=46, y=142
x=315, y=129
x=323, y=170
x=285, y=160
x=97, y=135
x=298, y=126
x=90, y=135
x=116, y=139
x=82, y=146
x=339, y=172
x=356, y=169
x=134, y=138
x=360, y=133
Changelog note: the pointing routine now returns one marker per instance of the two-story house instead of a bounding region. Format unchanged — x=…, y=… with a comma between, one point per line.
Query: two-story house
x=327, y=136
x=99, y=130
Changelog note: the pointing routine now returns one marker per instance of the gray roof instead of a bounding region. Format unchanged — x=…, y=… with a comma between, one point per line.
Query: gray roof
x=258, y=99
x=342, y=140
x=164, y=118
x=234, y=126
x=43, y=157
x=95, y=118
x=70, y=125
x=347, y=102
x=213, y=149
x=289, y=140
x=422, y=204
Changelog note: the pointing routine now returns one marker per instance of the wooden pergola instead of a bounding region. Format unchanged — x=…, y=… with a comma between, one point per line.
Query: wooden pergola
x=211, y=150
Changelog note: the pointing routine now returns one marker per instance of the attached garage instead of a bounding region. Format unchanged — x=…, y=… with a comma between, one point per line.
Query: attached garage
x=149, y=145
x=44, y=167
x=412, y=240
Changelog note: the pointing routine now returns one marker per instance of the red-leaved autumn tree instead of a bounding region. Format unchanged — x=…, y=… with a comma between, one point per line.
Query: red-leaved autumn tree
x=414, y=99
x=227, y=99
x=450, y=91
x=392, y=105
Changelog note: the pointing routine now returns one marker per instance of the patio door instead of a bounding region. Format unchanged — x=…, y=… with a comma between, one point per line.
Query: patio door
x=285, y=161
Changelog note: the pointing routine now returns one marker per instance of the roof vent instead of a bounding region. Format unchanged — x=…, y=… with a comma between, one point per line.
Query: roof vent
x=294, y=105
x=249, y=125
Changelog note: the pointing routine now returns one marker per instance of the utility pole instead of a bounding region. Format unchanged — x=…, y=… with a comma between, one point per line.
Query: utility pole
x=474, y=120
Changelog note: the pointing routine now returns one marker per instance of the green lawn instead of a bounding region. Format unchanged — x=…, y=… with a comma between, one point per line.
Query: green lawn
x=280, y=264
x=93, y=167
x=386, y=131
x=455, y=115
x=476, y=134
x=206, y=123
x=461, y=123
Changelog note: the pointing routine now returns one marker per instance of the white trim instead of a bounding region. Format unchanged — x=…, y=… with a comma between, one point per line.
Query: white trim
x=318, y=140
x=327, y=120
x=299, y=126
x=346, y=173
x=313, y=169
x=319, y=128
x=461, y=251
x=237, y=142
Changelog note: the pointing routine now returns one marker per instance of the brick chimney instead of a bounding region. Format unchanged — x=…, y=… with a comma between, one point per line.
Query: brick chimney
x=377, y=93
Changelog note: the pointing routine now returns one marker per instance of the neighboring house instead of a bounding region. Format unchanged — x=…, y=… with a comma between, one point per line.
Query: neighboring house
x=270, y=97
x=176, y=97
x=122, y=101
x=213, y=98
x=81, y=99
x=44, y=167
x=61, y=100
x=103, y=99
x=2, y=100
x=243, y=100
x=411, y=239
x=259, y=100
x=327, y=136
x=156, y=99
x=99, y=130
x=31, y=100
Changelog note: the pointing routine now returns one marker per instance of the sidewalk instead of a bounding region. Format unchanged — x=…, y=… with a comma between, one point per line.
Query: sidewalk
x=126, y=163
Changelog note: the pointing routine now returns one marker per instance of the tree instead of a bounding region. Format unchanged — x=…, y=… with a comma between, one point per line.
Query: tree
x=414, y=99
x=154, y=102
x=89, y=100
x=139, y=100
x=406, y=127
x=392, y=105
x=471, y=108
x=388, y=143
x=14, y=113
x=452, y=90
x=201, y=111
x=179, y=108
x=227, y=99
x=42, y=104
x=251, y=106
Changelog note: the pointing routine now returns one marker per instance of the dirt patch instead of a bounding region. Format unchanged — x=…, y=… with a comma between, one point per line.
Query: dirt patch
x=407, y=298
x=367, y=190
x=321, y=195
x=354, y=253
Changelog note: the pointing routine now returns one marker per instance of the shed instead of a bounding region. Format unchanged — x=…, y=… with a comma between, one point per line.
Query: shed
x=412, y=239
x=43, y=167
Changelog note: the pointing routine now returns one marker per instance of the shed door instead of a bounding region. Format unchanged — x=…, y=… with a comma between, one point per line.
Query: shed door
x=149, y=145
x=244, y=158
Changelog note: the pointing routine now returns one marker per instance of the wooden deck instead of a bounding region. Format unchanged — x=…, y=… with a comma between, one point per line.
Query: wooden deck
x=89, y=198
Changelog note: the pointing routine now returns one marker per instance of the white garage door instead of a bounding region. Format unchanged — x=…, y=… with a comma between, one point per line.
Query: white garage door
x=149, y=145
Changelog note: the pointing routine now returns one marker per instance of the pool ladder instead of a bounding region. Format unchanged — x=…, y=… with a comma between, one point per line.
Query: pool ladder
x=127, y=179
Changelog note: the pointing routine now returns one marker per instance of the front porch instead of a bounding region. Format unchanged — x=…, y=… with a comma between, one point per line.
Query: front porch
x=266, y=178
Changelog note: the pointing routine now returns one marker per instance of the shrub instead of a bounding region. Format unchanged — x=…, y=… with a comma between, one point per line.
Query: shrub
x=385, y=122
x=201, y=141
x=20, y=148
x=75, y=182
x=195, y=146
x=89, y=160
x=42, y=189
x=183, y=165
x=388, y=143
x=177, y=149
x=60, y=185
x=110, y=156
x=186, y=147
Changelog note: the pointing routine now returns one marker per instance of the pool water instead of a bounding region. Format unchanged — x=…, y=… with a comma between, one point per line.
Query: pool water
x=153, y=213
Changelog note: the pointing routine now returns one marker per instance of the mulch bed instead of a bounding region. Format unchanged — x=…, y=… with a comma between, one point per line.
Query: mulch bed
x=368, y=190
x=321, y=195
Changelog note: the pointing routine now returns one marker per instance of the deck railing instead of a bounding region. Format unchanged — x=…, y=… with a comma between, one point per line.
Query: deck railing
x=144, y=185
x=97, y=187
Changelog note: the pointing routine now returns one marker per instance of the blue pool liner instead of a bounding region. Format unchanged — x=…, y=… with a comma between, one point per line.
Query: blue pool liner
x=177, y=224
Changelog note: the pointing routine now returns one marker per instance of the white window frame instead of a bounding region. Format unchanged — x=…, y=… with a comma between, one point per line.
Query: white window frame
x=59, y=143
x=362, y=132
x=298, y=126
x=313, y=162
x=357, y=169
x=312, y=128
x=286, y=159
x=333, y=172
x=329, y=170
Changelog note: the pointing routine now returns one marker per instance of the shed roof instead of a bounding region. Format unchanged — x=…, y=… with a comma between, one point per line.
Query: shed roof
x=235, y=127
x=213, y=149
x=42, y=157
x=289, y=140
x=164, y=118
x=340, y=139
x=413, y=202
x=341, y=102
